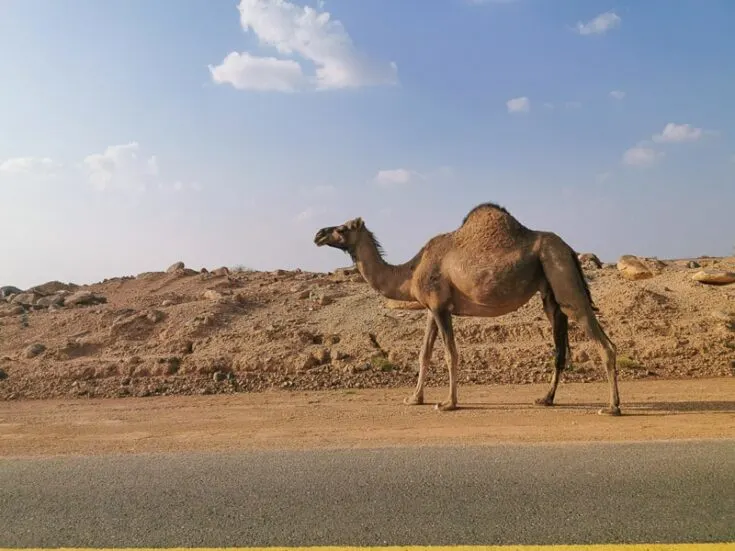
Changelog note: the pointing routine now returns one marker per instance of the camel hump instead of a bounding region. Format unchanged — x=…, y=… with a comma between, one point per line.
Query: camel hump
x=490, y=225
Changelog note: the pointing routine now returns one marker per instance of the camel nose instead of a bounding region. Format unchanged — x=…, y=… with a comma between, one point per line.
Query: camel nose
x=321, y=235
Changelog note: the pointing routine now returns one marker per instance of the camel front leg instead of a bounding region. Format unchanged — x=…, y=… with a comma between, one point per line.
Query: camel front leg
x=443, y=320
x=560, y=330
x=417, y=398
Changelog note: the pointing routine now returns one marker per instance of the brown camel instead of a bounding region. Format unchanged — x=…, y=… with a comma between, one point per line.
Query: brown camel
x=490, y=266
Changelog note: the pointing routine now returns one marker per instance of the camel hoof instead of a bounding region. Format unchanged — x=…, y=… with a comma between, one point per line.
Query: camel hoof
x=614, y=411
x=413, y=400
x=445, y=406
x=544, y=402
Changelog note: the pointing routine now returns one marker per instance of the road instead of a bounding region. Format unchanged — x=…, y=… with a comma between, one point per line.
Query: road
x=504, y=494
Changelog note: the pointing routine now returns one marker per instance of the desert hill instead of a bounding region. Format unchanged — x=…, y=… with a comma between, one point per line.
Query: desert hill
x=184, y=332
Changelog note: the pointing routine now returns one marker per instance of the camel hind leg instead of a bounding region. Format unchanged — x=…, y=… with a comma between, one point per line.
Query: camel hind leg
x=560, y=330
x=564, y=274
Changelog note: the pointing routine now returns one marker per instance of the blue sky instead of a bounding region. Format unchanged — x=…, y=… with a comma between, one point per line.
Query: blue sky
x=135, y=133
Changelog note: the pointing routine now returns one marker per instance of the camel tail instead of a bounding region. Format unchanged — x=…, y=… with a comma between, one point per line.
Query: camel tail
x=558, y=259
x=580, y=271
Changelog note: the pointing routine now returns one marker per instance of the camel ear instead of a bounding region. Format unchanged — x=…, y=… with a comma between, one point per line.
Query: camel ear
x=355, y=224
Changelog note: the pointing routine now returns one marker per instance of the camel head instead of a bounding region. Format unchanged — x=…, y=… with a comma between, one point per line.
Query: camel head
x=344, y=237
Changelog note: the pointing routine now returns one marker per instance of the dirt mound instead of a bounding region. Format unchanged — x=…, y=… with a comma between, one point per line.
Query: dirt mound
x=188, y=332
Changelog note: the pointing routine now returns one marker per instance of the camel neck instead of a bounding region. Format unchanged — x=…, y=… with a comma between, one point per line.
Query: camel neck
x=391, y=281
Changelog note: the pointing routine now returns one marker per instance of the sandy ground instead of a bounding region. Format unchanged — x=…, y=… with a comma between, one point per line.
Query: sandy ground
x=653, y=410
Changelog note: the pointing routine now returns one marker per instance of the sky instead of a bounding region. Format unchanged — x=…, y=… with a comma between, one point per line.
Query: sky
x=134, y=134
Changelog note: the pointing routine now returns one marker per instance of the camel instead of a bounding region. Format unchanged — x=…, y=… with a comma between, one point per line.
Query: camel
x=490, y=266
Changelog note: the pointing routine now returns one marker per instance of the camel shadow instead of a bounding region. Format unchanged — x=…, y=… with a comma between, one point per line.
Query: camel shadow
x=705, y=406
x=629, y=408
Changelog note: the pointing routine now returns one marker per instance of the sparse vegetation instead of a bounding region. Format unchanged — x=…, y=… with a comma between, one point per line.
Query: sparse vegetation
x=626, y=362
x=381, y=363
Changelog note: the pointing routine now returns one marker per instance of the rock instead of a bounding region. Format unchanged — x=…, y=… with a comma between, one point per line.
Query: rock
x=655, y=264
x=582, y=357
x=211, y=294
x=26, y=299
x=52, y=300
x=167, y=303
x=307, y=362
x=154, y=316
x=34, y=350
x=589, y=260
x=219, y=376
x=222, y=271
x=304, y=294
x=84, y=298
x=15, y=310
x=321, y=298
x=633, y=268
x=714, y=277
x=323, y=356
x=693, y=264
x=8, y=291
x=175, y=267
x=3, y=375
x=53, y=288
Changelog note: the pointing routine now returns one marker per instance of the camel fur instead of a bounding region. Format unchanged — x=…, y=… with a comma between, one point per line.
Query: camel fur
x=490, y=266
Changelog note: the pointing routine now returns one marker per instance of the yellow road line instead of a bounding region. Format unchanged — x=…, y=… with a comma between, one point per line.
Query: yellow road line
x=593, y=547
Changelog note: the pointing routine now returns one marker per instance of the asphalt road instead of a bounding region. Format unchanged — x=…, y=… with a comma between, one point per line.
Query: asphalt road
x=535, y=494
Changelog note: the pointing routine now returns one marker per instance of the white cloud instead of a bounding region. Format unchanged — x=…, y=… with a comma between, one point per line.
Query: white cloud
x=600, y=24
x=518, y=105
x=641, y=156
x=617, y=94
x=29, y=165
x=573, y=105
x=246, y=72
x=305, y=32
x=121, y=167
x=677, y=133
x=395, y=177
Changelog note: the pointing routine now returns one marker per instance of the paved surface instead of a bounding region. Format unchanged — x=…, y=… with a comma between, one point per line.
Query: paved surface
x=540, y=494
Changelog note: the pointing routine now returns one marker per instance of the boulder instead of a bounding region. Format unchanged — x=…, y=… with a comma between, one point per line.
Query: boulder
x=52, y=300
x=175, y=267
x=53, y=288
x=26, y=299
x=34, y=350
x=8, y=291
x=589, y=260
x=714, y=277
x=84, y=298
x=633, y=268
x=211, y=294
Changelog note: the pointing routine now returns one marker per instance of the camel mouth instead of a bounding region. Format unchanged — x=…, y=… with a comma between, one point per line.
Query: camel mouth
x=322, y=237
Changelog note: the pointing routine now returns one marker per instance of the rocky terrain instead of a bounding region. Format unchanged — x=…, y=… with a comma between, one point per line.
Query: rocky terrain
x=184, y=331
